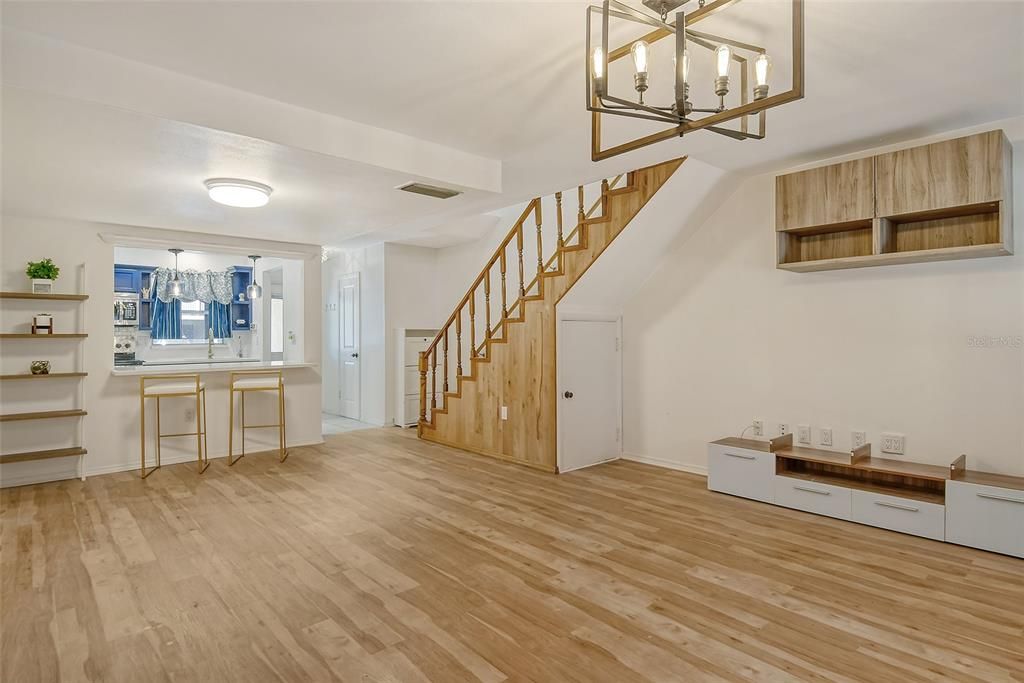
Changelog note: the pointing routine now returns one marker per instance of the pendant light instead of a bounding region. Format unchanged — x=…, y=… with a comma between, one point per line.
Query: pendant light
x=253, y=291
x=174, y=286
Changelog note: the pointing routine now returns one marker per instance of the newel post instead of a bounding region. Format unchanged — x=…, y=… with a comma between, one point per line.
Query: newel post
x=423, y=386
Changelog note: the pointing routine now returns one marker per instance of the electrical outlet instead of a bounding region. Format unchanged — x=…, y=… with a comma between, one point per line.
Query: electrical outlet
x=803, y=434
x=504, y=412
x=858, y=439
x=783, y=429
x=826, y=436
x=892, y=443
x=758, y=427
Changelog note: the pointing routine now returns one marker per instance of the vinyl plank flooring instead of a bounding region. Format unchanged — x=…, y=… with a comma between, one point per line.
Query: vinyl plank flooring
x=378, y=557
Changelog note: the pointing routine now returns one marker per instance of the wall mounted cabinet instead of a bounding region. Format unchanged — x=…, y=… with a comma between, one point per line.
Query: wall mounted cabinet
x=943, y=201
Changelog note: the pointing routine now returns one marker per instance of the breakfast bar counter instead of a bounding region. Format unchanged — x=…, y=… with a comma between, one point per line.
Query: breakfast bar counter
x=204, y=368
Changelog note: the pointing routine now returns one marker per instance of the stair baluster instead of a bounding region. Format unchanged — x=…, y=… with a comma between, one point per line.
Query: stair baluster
x=604, y=196
x=433, y=383
x=487, y=305
x=458, y=344
x=522, y=280
x=445, y=350
x=540, y=245
x=504, y=298
x=559, y=242
x=580, y=215
x=472, y=326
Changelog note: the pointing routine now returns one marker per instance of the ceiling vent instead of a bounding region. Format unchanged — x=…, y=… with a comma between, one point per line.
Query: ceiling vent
x=429, y=190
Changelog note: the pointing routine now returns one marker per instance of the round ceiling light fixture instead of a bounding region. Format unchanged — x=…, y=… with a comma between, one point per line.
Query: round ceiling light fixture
x=244, y=194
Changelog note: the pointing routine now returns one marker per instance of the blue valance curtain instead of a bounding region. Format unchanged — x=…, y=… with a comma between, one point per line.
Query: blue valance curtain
x=213, y=288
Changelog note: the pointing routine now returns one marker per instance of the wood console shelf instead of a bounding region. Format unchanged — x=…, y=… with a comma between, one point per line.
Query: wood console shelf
x=44, y=297
x=943, y=201
x=951, y=503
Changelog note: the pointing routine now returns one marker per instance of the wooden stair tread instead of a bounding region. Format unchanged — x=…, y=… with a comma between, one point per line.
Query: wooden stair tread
x=52, y=375
x=29, y=335
x=42, y=415
x=42, y=455
x=43, y=297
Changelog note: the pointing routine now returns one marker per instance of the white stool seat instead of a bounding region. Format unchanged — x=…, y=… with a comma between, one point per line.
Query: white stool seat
x=173, y=388
x=256, y=383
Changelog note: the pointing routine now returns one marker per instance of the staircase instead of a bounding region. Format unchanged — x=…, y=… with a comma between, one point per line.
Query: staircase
x=498, y=346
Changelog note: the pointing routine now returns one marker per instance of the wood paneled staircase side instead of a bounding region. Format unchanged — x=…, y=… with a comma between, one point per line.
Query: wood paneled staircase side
x=515, y=365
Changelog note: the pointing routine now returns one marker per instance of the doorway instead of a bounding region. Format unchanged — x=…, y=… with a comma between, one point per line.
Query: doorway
x=589, y=393
x=348, y=344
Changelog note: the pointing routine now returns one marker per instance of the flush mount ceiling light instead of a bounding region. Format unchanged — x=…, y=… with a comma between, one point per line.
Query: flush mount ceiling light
x=728, y=55
x=244, y=194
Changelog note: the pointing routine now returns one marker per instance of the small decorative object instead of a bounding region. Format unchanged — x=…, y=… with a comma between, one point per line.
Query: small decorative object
x=43, y=273
x=241, y=296
x=42, y=324
x=145, y=292
x=40, y=367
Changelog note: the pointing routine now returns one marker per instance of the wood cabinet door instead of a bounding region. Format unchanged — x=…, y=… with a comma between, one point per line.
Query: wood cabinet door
x=830, y=195
x=959, y=172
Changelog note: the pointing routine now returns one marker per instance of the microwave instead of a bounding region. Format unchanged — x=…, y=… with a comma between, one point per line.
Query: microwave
x=126, y=309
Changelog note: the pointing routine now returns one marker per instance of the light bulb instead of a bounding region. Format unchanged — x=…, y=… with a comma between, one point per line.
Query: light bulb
x=722, y=56
x=254, y=291
x=686, y=66
x=762, y=68
x=597, y=62
x=640, y=52
x=174, y=288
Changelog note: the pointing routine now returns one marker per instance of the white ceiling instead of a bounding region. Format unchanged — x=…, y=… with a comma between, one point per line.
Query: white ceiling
x=499, y=80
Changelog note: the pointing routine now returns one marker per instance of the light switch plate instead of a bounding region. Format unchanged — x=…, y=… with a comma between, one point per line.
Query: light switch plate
x=504, y=412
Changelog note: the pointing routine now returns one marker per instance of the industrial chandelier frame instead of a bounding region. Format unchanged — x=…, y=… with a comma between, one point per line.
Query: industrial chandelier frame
x=681, y=113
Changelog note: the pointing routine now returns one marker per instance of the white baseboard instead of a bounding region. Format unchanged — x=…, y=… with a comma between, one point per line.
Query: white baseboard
x=72, y=472
x=668, y=464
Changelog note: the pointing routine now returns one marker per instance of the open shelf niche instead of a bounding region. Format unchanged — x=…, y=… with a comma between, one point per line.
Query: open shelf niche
x=938, y=202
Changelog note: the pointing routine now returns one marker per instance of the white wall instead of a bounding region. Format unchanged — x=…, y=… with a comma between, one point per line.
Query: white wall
x=718, y=337
x=112, y=426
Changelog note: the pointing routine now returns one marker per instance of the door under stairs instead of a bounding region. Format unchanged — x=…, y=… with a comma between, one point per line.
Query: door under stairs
x=488, y=380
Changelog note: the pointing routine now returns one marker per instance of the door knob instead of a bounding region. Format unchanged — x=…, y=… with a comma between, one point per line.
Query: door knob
x=568, y=394
x=355, y=355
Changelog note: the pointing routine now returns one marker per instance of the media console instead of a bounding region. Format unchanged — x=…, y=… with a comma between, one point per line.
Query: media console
x=952, y=504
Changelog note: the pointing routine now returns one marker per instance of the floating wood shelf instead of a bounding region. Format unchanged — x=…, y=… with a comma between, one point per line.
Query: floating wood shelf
x=52, y=375
x=42, y=455
x=44, y=415
x=939, y=202
x=44, y=297
x=29, y=335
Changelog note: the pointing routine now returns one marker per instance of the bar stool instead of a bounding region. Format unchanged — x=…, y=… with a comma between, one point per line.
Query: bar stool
x=243, y=382
x=174, y=386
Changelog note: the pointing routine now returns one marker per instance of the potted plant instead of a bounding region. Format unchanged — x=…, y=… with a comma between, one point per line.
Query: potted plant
x=43, y=273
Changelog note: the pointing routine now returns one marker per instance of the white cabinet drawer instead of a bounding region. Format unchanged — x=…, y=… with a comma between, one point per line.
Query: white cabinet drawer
x=900, y=514
x=812, y=496
x=741, y=472
x=986, y=517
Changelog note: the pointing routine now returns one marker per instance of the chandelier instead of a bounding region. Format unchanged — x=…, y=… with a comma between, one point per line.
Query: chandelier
x=730, y=57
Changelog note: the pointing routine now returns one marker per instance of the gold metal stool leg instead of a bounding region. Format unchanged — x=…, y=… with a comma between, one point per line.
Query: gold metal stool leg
x=281, y=422
x=201, y=465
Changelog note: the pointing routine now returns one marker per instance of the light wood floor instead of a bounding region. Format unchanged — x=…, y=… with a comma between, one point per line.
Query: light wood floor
x=382, y=558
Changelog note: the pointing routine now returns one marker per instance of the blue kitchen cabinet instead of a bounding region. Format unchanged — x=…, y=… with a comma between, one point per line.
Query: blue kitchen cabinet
x=126, y=279
x=241, y=307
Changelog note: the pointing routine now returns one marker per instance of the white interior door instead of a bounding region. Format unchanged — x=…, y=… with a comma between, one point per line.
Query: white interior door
x=590, y=375
x=348, y=302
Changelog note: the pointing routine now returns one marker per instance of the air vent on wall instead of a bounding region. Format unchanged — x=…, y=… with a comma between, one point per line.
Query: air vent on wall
x=429, y=190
